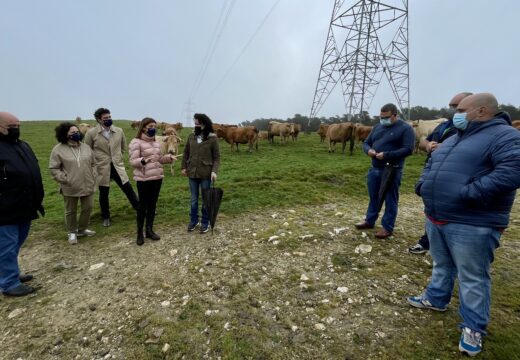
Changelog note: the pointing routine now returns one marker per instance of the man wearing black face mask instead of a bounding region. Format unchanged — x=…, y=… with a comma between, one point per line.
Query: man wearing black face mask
x=21, y=196
x=109, y=144
x=439, y=134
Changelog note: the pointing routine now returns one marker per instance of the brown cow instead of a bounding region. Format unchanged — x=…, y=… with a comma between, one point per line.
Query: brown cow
x=296, y=130
x=516, y=124
x=169, y=145
x=322, y=132
x=263, y=135
x=341, y=132
x=135, y=124
x=283, y=130
x=361, y=132
x=84, y=127
x=239, y=135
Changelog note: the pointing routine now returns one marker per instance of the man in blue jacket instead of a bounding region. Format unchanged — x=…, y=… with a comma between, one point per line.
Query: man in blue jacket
x=468, y=188
x=388, y=144
x=440, y=133
x=21, y=196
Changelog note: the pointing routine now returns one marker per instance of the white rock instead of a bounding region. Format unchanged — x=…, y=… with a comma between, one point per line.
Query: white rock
x=282, y=234
x=15, y=313
x=173, y=252
x=211, y=312
x=285, y=224
x=363, y=249
x=165, y=303
x=274, y=237
x=304, y=277
x=299, y=253
x=380, y=334
x=404, y=277
x=294, y=328
x=324, y=224
x=276, y=242
x=342, y=289
x=364, y=234
x=227, y=326
x=338, y=214
x=308, y=236
x=274, y=216
x=340, y=230
x=292, y=211
x=96, y=266
x=166, y=347
x=319, y=326
x=254, y=234
x=325, y=301
x=350, y=301
x=330, y=320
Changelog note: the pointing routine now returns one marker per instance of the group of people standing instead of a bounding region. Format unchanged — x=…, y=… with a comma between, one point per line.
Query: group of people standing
x=79, y=165
x=468, y=187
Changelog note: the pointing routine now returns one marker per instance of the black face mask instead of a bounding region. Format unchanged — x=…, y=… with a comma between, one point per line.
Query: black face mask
x=198, y=130
x=13, y=134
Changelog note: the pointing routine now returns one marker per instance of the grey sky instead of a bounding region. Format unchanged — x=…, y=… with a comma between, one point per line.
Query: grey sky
x=63, y=58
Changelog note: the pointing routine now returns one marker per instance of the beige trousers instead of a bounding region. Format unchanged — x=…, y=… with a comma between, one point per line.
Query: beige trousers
x=71, y=209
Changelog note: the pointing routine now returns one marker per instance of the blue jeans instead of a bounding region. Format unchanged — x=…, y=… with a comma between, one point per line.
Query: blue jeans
x=195, y=184
x=391, y=199
x=465, y=252
x=12, y=238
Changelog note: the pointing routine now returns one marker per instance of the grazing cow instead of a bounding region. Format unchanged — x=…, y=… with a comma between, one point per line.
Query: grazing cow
x=361, y=132
x=78, y=119
x=283, y=130
x=423, y=128
x=135, y=124
x=341, y=132
x=516, y=124
x=322, y=132
x=83, y=128
x=296, y=130
x=239, y=135
x=177, y=126
x=263, y=135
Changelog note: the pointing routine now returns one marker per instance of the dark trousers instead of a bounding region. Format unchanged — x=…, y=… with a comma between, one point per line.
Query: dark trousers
x=424, y=242
x=127, y=190
x=391, y=198
x=148, y=196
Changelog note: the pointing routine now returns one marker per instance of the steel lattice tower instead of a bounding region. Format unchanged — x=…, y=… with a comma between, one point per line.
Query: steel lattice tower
x=365, y=42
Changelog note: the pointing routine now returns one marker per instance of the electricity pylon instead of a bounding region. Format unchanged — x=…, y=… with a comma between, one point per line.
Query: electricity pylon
x=366, y=41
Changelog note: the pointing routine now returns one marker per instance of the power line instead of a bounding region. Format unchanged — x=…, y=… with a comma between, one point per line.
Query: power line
x=245, y=47
x=218, y=31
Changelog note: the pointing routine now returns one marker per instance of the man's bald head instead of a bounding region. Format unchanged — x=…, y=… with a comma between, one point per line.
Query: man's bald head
x=479, y=107
x=455, y=101
x=8, y=120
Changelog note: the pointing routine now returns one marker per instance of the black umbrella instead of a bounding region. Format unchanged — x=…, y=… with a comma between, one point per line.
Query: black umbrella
x=211, y=199
x=386, y=179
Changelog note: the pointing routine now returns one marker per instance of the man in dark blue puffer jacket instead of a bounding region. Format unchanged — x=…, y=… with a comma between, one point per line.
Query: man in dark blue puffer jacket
x=468, y=188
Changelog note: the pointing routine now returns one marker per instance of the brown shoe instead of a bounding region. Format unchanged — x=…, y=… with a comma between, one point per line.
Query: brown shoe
x=364, y=225
x=383, y=233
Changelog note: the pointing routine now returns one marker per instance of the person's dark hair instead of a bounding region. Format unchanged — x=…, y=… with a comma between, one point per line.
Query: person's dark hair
x=142, y=125
x=62, y=130
x=100, y=112
x=389, y=107
x=208, y=124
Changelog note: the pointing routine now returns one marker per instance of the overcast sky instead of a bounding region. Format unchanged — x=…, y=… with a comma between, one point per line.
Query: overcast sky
x=61, y=58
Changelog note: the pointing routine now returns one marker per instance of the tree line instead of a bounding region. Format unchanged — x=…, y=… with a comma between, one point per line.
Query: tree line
x=416, y=112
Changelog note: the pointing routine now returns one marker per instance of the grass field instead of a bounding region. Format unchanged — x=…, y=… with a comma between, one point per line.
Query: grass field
x=288, y=211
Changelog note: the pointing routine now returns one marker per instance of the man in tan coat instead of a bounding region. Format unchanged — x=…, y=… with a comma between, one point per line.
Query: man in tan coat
x=108, y=143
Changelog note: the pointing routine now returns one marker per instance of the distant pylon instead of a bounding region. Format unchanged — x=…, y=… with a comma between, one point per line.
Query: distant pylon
x=187, y=113
x=373, y=36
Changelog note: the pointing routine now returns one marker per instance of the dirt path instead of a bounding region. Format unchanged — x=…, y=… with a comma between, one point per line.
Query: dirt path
x=275, y=284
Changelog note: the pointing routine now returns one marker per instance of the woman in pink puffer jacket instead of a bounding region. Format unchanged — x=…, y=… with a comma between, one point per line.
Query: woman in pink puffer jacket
x=146, y=159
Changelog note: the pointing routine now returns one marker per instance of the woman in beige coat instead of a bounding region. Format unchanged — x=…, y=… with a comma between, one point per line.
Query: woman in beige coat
x=72, y=166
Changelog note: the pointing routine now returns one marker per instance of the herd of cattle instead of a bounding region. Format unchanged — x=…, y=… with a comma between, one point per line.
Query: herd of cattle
x=234, y=135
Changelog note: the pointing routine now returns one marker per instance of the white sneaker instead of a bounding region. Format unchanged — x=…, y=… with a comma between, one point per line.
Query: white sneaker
x=86, y=232
x=73, y=239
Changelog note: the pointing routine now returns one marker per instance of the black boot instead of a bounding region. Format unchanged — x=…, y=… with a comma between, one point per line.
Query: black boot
x=150, y=234
x=140, y=237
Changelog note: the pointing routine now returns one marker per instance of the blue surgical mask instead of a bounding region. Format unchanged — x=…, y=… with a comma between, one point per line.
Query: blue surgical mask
x=385, y=121
x=107, y=123
x=75, y=136
x=150, y=132
x=460, y=121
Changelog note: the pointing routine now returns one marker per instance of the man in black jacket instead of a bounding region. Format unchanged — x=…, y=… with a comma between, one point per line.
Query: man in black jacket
x=21, y=196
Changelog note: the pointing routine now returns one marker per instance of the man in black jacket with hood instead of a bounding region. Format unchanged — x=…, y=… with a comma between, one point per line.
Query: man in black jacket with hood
x=21, y=196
